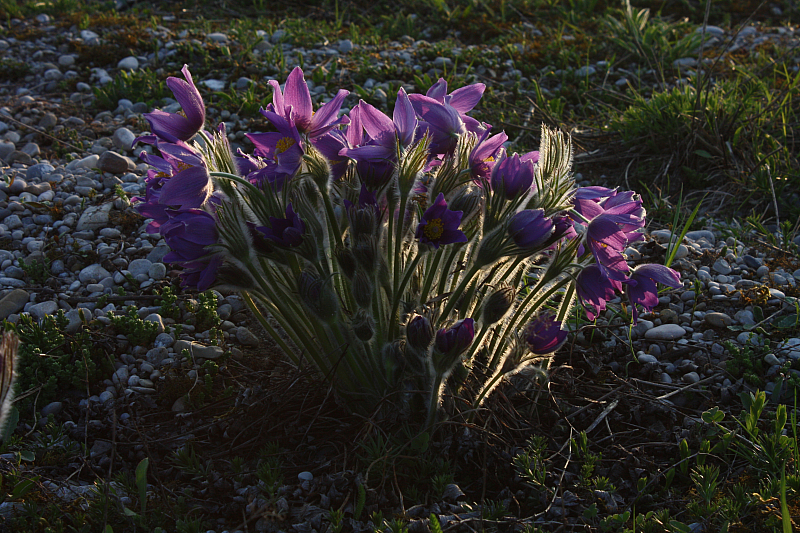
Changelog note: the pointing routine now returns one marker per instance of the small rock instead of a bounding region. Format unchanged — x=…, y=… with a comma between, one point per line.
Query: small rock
x=665, y=332
x=718, y=320
x=93, y=274
x=129, y=63
x=771, y=359
x=94, y=217
x=305, y=476
x=646, y=358
x=139, y=267
x=100, y=447
x=115, y=163
x=246, y=337
x=52, y=408
x=123, y=139
x=691, y=377
x=345, y=46
x=40, y=310
x=722, y=267
x=13, y=302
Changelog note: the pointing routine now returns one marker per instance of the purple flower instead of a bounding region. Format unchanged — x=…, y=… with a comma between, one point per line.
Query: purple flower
x=295, y=106
x=606, y=242
x=439, y=225
x=512, y=177
x=286, y=232
x=455, y=340
x=419, y=333
x=282, y=151
x=544, y=335
x=530, y=229
x=641, y=288
x=173, y=127
x=181, y=178
x=463, y=100
x=188, y=233
x=595, y=289
x=486, y=151
x=442, y=122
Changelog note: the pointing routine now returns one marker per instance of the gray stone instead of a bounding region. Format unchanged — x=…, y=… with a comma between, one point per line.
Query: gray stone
x=90, y=161
x=13, y=302
x=100, y=447
x=123, y=139
x=18, y=156
x=665, y=332
x=13, y=222
x=75, y=320
x=156, y=319
x=179, y=405
x=115, y=163
x=129, y=63
x=215, y=85
x=38, y=170
x=48, y=121
x=246, y=337
x=164, y=340
x=722, y=267
x=702, y=234
x=345, y=46
x=718, y=320
x=217, y=37
x=6, y=149
x=41, y=310
x=106, y=396
x=93, y=274
x=771, y=359
x=138, y=267
x=157, y=271
x=646, y=358
x=745, y=317
x=94, y=217
x=121, y=375
x=752, y=262
x=691, y=377
x=305, y=476
x=52, y=408
x=156, y=355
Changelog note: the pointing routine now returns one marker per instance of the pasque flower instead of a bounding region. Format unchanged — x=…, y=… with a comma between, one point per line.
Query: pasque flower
x=607, y=241
x=189, y=234
x=642, y=287
x=287, y=231
x=530, y=228
x=8, y=359
x=181, y=178
x=544, y=335
x=595, y=289
x=439, y=225
x=455, y=339
x=512, y=177
x=173, y=127
x=281, y=152
x=294, y=105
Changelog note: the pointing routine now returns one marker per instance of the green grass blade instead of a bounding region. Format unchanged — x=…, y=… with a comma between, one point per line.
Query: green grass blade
x=674, y=247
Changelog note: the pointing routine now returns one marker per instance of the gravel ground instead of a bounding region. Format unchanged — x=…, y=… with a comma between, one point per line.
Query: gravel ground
x=679, y=348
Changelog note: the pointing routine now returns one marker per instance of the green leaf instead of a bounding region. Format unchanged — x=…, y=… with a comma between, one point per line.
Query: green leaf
x=758, y=313
x=436, y=527
x=128, y=512
x=679, y=527
x=108, y=529
x=703, y=154
x=22, y=488
x=786, y=322
x=27, y=456
x=713, y=415
x=141, y=482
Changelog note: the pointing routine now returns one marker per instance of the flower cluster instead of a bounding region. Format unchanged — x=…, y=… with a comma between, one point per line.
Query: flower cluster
x=395, y=252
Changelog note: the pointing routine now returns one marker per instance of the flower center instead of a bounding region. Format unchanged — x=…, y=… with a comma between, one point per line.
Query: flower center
x=433, y=229
x=182, y=166
x=284, y=144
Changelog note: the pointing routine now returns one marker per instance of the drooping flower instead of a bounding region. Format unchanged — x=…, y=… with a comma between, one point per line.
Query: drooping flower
x=174, y=127
x=543, y=334
x=642, y=287
x=439, y=225
x=419, y=333
x=287, y=231
x=606, y=242
x=462, y=100
x=295, y=106
x=530, y=228
x=512, y=177
x=485, y=153
x=282, y=152
x=189, y=233
x=180, y=176
x=595, y=289
x=442, y=122
x=455, y=340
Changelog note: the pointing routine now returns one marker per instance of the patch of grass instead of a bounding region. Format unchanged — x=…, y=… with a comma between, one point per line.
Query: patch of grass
x=139, y=86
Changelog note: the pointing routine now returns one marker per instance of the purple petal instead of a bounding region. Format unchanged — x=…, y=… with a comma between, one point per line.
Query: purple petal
x=438, y=90
x=405, y=119
x=296, y=94
x=466, y=98
x=377, y=125
x=189, y=188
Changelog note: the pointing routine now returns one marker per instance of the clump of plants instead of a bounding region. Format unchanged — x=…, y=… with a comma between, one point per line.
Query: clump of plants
x=139, y=332
x=404, y=257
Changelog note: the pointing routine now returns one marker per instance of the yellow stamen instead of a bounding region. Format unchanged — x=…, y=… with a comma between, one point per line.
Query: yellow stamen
x=433, y=229
x=284, y=144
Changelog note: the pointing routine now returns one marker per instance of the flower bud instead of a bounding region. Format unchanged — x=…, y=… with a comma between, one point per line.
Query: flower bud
x=468, y=201
x=544, y=335
x=363, y=326
x=365, y=250
x=362, y=221
x=419, y=333
x=362, y=288
x=451, y=343
x=318, y=296
x=497, y=304
x=347, y=262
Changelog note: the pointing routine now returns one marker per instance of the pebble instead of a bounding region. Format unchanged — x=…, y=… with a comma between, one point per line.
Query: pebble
x=718, y=320
x=665, y=332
